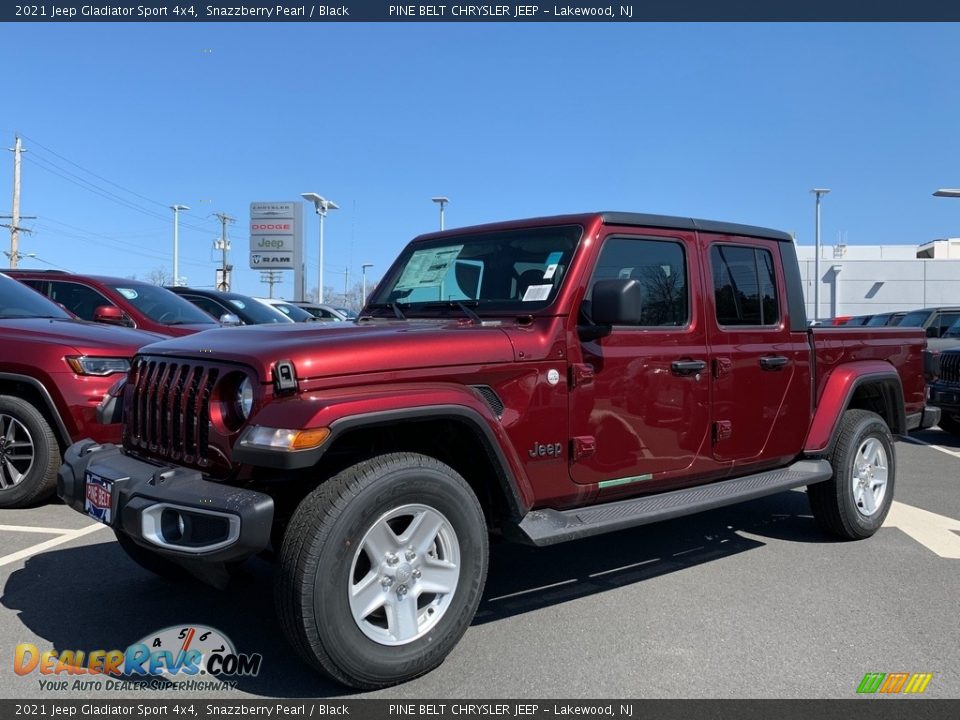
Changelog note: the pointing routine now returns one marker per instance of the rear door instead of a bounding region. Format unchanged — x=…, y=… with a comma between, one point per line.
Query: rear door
x=760, y=392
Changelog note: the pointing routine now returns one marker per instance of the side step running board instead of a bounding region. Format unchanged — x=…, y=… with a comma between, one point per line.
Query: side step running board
x=547, y=527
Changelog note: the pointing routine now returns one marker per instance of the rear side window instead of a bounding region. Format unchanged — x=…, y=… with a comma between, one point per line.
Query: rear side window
x=659, y=266
x=744, y=285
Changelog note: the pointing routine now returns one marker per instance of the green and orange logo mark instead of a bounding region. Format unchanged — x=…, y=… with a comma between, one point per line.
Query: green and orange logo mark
x=893, y=683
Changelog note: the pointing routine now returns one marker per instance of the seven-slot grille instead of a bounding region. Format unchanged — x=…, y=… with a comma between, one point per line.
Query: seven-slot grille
x=950, y=367
x=170, y=412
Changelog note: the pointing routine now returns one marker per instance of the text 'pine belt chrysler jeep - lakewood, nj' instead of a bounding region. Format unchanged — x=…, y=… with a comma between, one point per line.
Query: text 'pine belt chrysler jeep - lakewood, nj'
x=547, y=379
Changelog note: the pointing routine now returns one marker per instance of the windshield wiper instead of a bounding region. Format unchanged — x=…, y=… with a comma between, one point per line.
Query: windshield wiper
x=388, y=306
x=464, y=307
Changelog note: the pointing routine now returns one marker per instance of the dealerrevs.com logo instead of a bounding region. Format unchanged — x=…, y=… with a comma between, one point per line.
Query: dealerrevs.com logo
x=176, y=655
x=894, y=683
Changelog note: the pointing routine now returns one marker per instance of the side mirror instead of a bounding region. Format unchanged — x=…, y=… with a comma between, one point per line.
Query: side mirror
x=230, y=319
x=933, y=331
x=109, y=314
x=616, y=302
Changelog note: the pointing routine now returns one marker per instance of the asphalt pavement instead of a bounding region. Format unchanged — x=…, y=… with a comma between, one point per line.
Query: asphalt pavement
x=747, y=601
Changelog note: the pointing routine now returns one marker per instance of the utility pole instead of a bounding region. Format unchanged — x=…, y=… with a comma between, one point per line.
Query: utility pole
x=346, y=282
x=271, y=278
x=223, y=244
x=14, y=225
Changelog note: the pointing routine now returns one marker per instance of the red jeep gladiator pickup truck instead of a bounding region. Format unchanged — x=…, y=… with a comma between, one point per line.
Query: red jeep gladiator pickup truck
x=548, y=379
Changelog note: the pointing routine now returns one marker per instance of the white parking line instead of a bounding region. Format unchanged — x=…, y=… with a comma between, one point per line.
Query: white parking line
x=32, y=529
x=947, y=451
x=52, y=542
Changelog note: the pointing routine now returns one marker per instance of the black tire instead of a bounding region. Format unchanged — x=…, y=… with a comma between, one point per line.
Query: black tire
x=151, y=561
x=22, y=422
x=833, y=502
x=949, y=424
x=325, y=547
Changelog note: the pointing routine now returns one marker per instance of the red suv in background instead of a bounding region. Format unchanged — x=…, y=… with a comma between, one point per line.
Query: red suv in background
x=54, y=371
x=118, y=301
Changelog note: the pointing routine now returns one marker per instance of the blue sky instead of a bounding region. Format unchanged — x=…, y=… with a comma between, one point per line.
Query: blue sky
x=722, y=121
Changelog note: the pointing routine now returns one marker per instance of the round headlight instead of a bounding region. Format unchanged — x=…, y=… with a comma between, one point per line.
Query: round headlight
x=245, y=398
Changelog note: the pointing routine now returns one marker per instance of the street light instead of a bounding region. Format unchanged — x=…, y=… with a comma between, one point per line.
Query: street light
x=364, y=268
x=322, y=205
x=176, y=242
x=816, y=260
x=441, y=201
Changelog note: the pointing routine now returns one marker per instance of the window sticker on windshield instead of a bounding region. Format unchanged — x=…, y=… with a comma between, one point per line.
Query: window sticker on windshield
x=428, y=267
x=537, y=293
x=553, y=262
x=237, y=303
x=128, y=293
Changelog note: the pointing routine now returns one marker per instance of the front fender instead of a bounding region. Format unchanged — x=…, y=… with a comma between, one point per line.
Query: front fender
x=346, y=409
x=838, y=391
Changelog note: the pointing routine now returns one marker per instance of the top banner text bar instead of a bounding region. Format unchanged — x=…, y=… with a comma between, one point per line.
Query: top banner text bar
x=372, y=11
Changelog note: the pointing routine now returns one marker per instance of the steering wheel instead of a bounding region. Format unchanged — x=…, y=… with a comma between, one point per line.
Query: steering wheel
x=169, y=315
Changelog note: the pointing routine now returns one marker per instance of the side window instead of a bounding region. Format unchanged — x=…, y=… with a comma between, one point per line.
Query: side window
x=661, y=268
x=208, y=306
x=744, y=285
x=946, y=320
x=78, y=299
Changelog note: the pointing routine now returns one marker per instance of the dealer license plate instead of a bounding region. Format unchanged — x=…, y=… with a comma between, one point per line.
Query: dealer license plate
x=99, y=502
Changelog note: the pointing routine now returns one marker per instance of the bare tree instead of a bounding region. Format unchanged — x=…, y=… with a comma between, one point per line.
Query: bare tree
x=159, y=276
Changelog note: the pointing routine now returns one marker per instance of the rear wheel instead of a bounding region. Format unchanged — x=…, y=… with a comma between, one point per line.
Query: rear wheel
x=29, y=454
x=381, y=570
x=854, y=503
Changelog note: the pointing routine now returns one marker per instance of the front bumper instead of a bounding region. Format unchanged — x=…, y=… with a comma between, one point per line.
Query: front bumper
x=170, y=510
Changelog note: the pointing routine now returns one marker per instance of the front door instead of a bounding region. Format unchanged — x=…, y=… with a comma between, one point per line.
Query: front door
x=640, y=401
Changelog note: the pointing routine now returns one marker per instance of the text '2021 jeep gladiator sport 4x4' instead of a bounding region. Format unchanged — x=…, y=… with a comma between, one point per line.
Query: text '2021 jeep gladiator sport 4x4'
x=550, y=379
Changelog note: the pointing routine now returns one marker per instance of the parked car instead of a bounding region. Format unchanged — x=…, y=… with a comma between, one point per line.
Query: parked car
x=217, y=304
x=53, y=372
x=297, y=314
x=581, y=374
x=933, y=321
x=858, y=320
x=324, y=312
x=945, y=389
x=890, y=319
x=117, y=301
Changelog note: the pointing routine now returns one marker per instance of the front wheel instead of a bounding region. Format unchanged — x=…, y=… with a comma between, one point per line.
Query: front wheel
x=950, y=424
x=29, y=454
x=381, y=570
x=853, y=504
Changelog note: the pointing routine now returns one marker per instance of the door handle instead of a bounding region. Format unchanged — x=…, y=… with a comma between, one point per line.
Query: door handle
x=774, y=363
x=687, y=367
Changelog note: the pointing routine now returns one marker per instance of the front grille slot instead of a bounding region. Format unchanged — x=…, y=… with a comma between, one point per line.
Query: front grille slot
x=170, y=409
x=950, y=368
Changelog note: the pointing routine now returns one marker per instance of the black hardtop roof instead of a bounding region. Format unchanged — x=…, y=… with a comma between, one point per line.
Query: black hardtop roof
x=612, y=217
x=684, y=223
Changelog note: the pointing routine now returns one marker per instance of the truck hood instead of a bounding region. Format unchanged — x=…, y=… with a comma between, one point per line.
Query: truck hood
x=329, y=349
x=85, y=337
x=944, y=343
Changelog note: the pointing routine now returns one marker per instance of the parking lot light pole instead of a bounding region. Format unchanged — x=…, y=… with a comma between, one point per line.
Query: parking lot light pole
x=816, y=260
x=176, y=242
x=441, y=201
x=363, y=300
x=321, y=205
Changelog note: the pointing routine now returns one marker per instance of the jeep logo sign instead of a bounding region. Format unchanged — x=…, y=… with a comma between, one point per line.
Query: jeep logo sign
x=276, y=237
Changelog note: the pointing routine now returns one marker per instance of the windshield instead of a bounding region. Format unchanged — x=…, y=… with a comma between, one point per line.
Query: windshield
x=293, y=312
x=19, y=301
x=254, y=311
x=953, y=330
x=161, y=305
x=915, y=319
x=878, y=320
x=509, y=271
